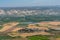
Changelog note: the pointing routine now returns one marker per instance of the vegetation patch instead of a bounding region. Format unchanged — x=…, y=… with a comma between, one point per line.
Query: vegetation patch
x=38, y=37
x=9, y=37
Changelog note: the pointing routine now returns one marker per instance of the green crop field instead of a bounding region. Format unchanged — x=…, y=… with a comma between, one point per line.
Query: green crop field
x=9, y=38
x=38, y=37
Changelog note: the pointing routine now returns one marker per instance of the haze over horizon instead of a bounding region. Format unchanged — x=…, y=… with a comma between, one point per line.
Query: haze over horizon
x=24, y=3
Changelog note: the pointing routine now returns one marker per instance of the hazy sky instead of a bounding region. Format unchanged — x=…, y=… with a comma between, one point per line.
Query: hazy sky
x=20, y=3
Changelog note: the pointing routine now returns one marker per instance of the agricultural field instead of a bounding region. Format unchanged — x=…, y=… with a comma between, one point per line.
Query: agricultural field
x=28, y=38
x=39, y=37
x=9, y=38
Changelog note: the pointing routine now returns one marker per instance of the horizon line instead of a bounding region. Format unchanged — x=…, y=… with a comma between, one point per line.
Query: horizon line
x=35, y=6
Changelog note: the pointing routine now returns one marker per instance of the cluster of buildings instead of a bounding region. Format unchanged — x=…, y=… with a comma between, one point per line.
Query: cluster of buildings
x=28, y=12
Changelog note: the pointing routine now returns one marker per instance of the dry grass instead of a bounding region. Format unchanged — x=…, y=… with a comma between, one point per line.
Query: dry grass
x=57, y=38
x=8, y=26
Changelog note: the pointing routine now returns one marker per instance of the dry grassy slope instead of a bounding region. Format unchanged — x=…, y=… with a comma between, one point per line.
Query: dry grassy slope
x=8, y=26
x=57, y=38
x=42, y=26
